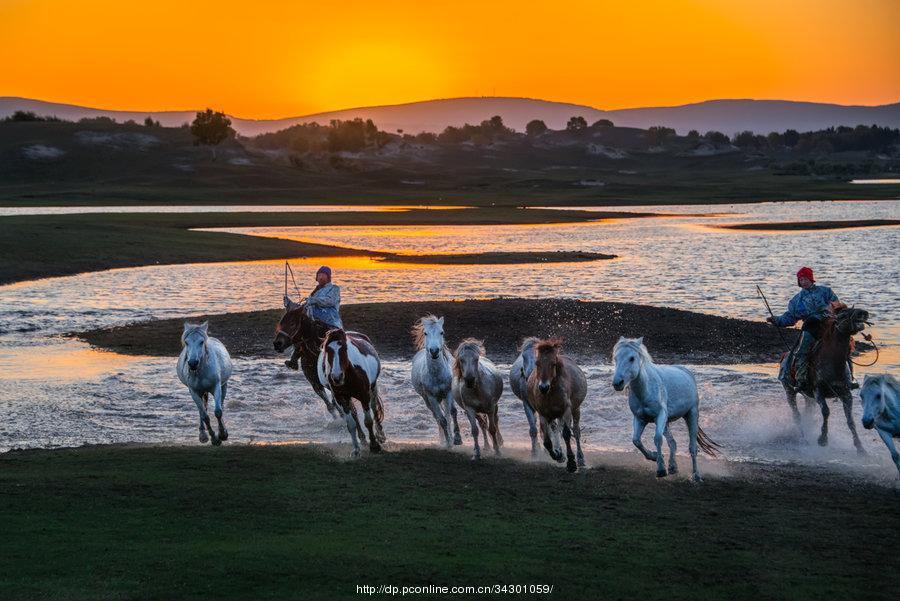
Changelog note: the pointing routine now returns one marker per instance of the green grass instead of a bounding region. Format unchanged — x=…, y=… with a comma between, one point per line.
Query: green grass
x=291, y=522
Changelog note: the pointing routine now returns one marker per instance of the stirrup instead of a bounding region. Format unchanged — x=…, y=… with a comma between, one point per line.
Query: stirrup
x=854, y=385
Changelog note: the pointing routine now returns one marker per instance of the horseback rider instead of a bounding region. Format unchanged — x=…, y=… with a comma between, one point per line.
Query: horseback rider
x=813, y=304
x=323, y=305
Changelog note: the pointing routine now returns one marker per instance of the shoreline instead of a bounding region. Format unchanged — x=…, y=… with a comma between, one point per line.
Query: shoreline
x=589, y=329
x=810, y=225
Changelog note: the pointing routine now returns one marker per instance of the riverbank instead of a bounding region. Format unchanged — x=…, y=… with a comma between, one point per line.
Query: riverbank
x=154, y=522
x=589, y=329
x=43, y=246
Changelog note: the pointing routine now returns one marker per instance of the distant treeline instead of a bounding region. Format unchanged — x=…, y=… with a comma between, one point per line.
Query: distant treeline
x=30, y=116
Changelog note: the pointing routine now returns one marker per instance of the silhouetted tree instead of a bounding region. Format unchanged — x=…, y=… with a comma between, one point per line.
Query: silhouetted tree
x=211, y=128
x=535, y=127
x=149, y=122
x=693, y=134
x=658, y=134
x=791, y=138
x=745, y=139
x=602, y=123
x=576, y=124
x=716, y=137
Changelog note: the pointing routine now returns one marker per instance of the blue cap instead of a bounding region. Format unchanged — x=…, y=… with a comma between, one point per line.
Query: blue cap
x=324, y=269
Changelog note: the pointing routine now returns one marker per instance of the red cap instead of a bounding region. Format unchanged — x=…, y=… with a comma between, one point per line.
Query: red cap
x=806, y=272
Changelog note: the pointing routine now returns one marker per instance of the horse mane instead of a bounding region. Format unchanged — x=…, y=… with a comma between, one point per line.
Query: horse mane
x=468, y=344
x=418, y=330
x=633, y=344
x=548, y=344
x=886, y=380
x=528, y=342
x=190, y=328
x=331, y=335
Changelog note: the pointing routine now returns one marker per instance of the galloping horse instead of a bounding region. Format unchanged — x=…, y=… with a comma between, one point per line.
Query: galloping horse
x=204, y=366
x=349, y=367
x=556, y=389
x=297, y=329
x=477, y=386
x=659, y=394
x=880, y=395
x=829, y=377
x=431, y=375
x=518, y=381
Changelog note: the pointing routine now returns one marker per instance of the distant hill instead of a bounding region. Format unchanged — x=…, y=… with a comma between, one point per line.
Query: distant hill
x=727, y=116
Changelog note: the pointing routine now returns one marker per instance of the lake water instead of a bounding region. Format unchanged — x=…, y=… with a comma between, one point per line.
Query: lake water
x=70, y=210
x=56, y=391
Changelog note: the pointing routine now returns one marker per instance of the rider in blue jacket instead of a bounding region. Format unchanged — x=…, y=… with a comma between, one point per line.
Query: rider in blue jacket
x=323, y=305
x=811, y=305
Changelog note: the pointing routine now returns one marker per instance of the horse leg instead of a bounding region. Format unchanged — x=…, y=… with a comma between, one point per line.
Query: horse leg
x=823, y=405
x=473, y=423
x=483, y=422
x=670, y=440
x=576, y=429
x=791, y=395
x=692, y=419
x=532, y=428
x=312, y=376
x=451, y=411
x=204, y=417
x=571, y=465
x=443, y=427
x=638, y=426
x=661, y=424
x=352, y=424
x=494, y=427
x=374, y=445
x=555, y=453
x=889, y=441
x=847, y=400
x=219, y=397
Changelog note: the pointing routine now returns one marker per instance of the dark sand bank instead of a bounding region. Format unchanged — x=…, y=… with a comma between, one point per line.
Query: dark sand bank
x=590, y=329
x=811, y=225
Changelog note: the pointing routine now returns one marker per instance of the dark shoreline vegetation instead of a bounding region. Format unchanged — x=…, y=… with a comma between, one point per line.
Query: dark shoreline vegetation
x=54, y=245
x=589, y=330
x=811, y=225
x=101, y=161
x=95, y=522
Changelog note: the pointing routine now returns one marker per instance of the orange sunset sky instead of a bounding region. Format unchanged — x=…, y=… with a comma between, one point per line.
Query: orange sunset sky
x=267, y=59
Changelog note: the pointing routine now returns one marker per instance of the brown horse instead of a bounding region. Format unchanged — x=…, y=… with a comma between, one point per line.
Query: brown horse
x=349, y=366
x=829, y=376
x=556, y=389
x=477, y=386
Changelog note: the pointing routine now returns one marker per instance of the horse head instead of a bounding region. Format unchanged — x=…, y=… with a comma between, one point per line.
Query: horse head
x=629, y=355
x=851, y=321
x=337, y=362
x=289, y=329
x=547, y=364
x=465, y=367
x=429, y=334
x=528, y=357
x=194, y=339
x=875, y=391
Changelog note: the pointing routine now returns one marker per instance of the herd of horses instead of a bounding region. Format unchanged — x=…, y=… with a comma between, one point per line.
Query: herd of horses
x=343, y=365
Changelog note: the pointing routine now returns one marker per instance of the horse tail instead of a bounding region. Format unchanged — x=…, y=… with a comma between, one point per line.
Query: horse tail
x=707, y=444
x=379, y=406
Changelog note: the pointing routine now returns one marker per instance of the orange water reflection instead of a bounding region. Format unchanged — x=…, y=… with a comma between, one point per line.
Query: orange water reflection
x=68, y=361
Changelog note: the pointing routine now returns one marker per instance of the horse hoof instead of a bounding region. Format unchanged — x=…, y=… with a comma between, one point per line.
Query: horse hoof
x=457, y=439
x=823, y=441
x=354, y=454
x=696, y=479
x=203, y=437
x=375, y=447
x=215, y=441
x=223, y=435
x=661, y=473
x=651, y=457
x=581, y=462
x=476, y=457
x=571, y=466
x=673, y=469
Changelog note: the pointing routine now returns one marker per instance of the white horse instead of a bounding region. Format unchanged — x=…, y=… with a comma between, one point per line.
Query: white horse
x=880, y=396
x=518, y=381
x=659, y=394
x=204, y=366
x=431, y=376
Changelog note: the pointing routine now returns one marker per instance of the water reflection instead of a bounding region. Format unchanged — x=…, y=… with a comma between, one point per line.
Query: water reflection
x=70, y=210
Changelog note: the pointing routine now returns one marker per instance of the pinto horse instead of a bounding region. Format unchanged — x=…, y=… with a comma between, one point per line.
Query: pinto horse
x=556, y=389
x=348, y=366
x=477, y=386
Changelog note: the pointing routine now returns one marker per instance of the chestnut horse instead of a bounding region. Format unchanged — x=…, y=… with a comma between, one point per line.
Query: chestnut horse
x=348, y=366
x=829, y=376
x=477, y=386
x=556, y=389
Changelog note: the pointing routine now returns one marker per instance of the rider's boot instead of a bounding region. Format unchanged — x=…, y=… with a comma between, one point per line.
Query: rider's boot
x=802, y=361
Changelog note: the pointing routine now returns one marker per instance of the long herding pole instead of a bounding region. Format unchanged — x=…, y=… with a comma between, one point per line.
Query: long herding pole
x=765, y=300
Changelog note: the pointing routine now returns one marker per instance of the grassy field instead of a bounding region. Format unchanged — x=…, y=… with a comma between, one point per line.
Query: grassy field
x=294, y=522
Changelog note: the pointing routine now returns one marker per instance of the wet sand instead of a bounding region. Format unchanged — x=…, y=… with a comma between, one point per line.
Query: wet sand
x=589, y=330
x=812, y=225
